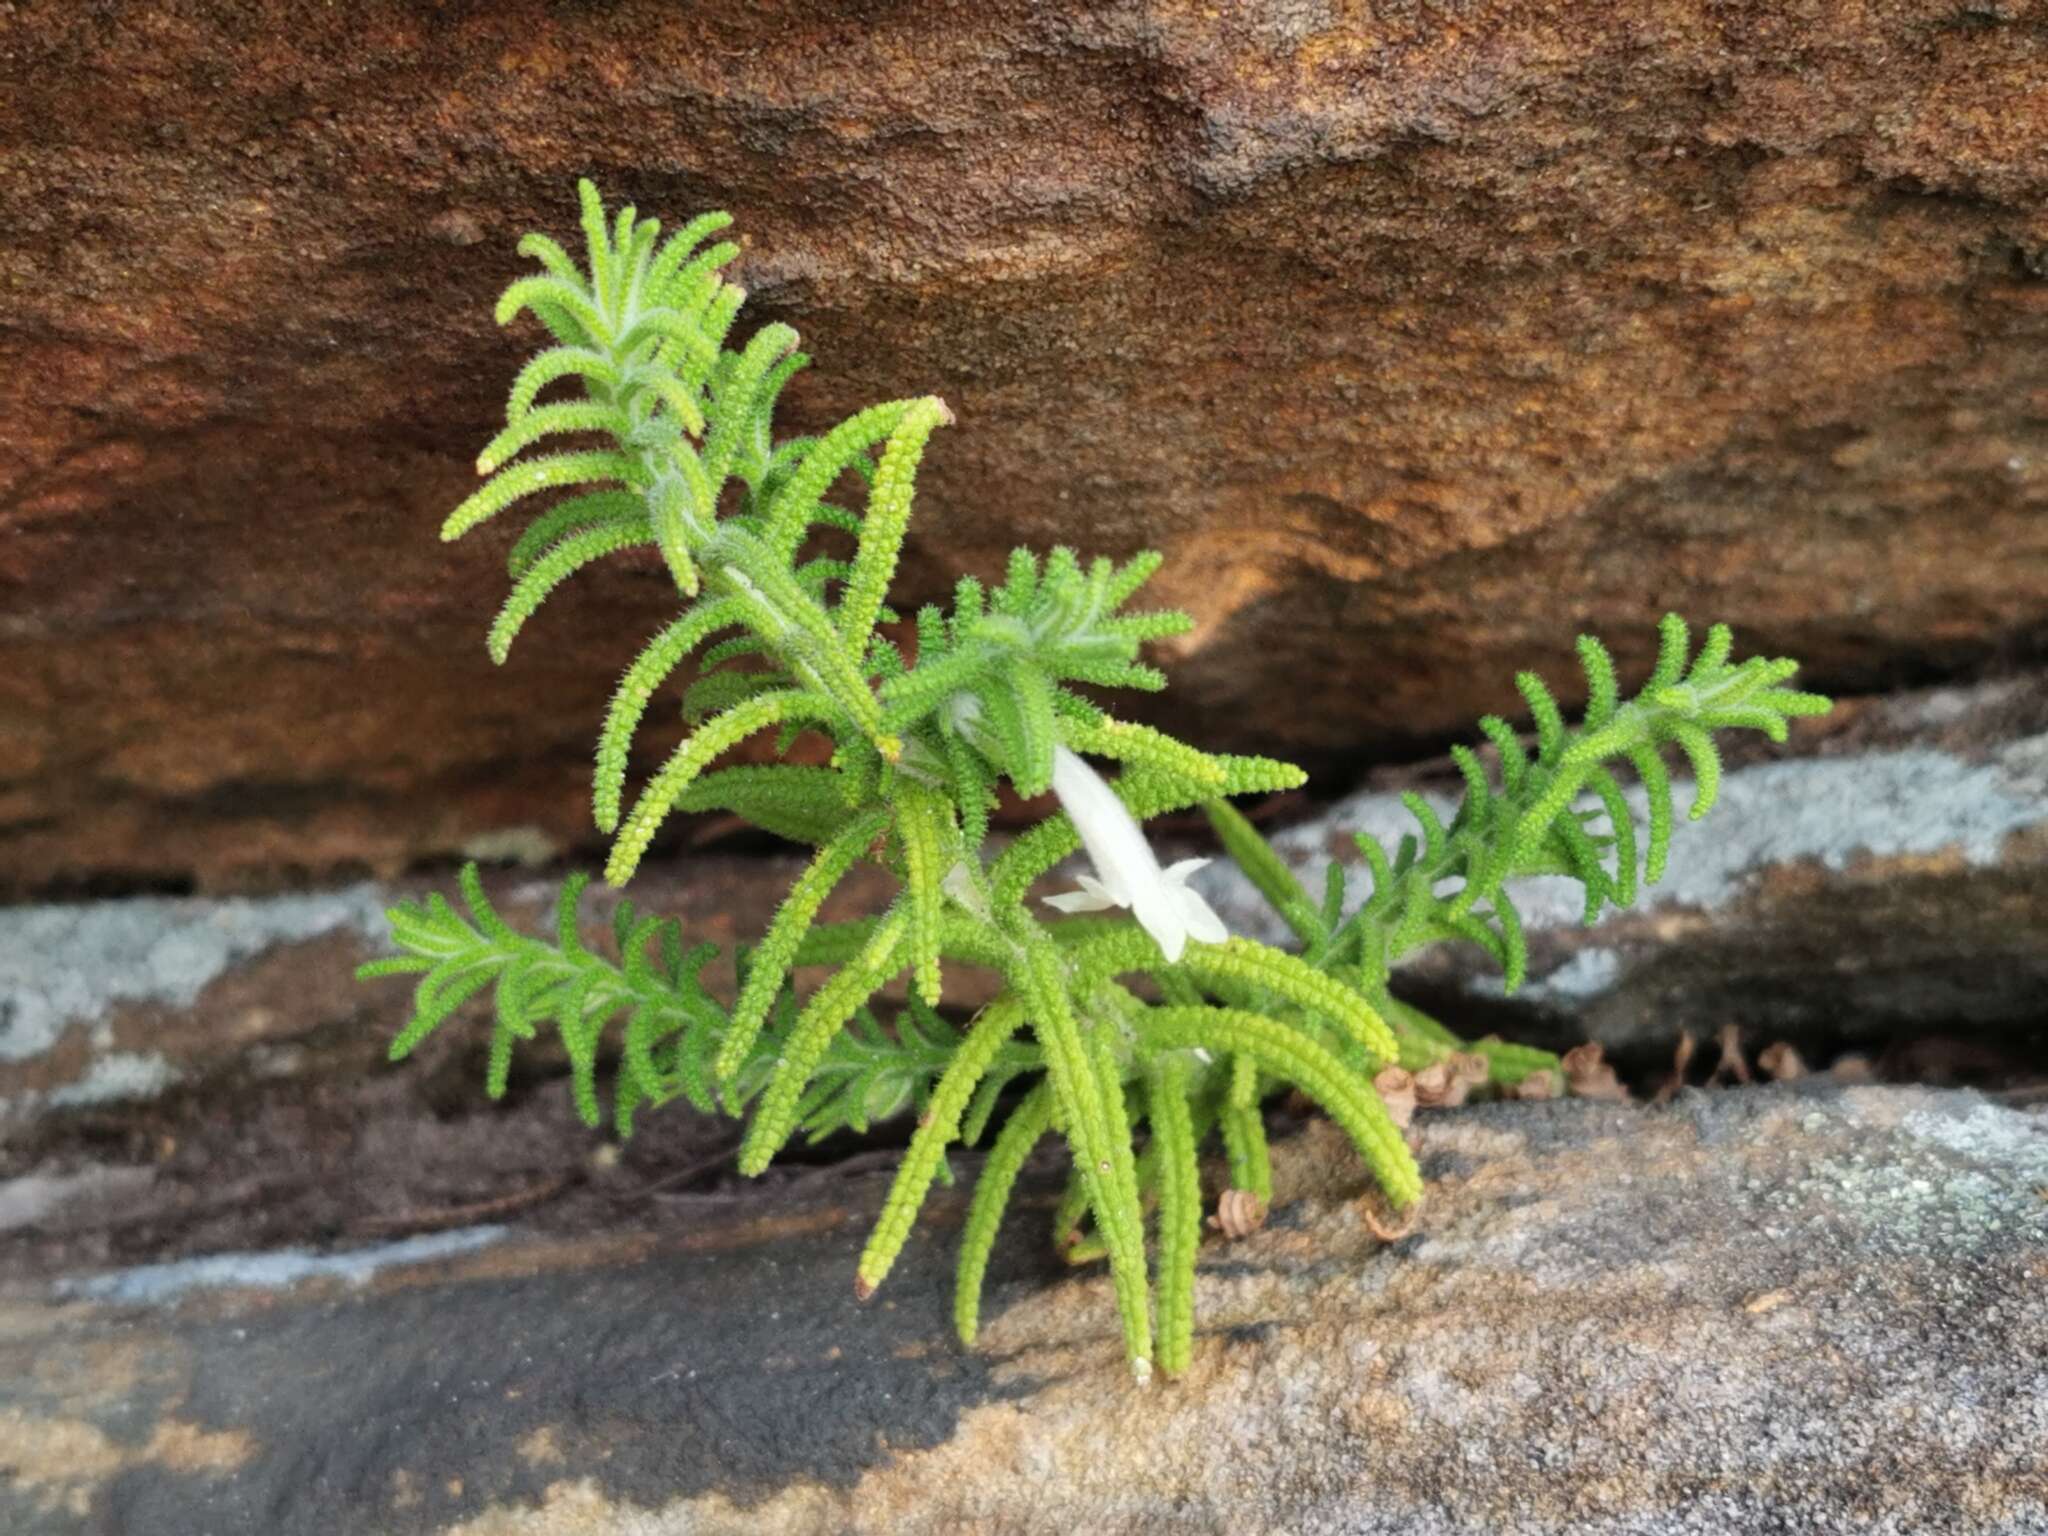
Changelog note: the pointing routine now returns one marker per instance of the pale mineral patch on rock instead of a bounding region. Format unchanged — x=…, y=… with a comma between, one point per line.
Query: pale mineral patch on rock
x=57, y=1463
x=113, y=1077
x=70, y=971
x=31, y=1198
x=71, y=961
x=154, y=1284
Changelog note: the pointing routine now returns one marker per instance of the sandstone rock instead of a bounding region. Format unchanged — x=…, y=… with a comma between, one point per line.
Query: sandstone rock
x=1416, y=342
x=1759, y=1310
x=1889, y=878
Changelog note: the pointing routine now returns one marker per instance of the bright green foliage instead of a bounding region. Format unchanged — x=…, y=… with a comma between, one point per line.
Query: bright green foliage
x=1560, y=811
x=1533, y=823
x=1027, y=1124
x=1180, y=1207
x=939, y=1127
x=770, y=964
x=655, y=426
x=810, y=1039
x=669, y=1021
x=1244, y=1133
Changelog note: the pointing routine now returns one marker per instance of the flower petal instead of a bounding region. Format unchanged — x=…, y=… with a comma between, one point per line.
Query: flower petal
x=1115, y=842
x=1156, y=906
x=1199, y=917
x=1127, y=873
x=1080, y=901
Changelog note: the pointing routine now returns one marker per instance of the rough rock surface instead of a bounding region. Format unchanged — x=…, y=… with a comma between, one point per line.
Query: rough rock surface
x=1418, y=336
x=1751, y=1311
x=1889, y=878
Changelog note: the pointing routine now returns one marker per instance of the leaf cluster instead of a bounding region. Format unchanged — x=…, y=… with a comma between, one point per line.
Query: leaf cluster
x=782, y=550
x=1557, y=811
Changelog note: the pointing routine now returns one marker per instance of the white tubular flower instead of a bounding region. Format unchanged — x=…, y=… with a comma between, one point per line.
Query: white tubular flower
x=1126, y=872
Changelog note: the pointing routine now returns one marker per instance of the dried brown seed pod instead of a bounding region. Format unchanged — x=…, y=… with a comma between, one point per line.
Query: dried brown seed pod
x=1239, y=1213
x=1385, y=1225
x=1780, y=1062
x=1396, y=1088
x=1681, y=1058
x=1732, y=1064
x=1589, y=1075
x=1853, y=1069
x=1537, y=1085
x=1440, y=1085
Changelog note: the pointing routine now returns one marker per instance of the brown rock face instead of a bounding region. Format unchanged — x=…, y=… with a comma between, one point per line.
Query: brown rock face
x=1417, y=337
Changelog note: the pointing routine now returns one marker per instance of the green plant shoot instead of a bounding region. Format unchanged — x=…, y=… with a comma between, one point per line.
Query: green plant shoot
x=1127, y=1022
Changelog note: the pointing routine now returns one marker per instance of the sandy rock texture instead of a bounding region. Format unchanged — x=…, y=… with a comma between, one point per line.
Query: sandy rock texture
x=1418, y=336
x=1765, y=1310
